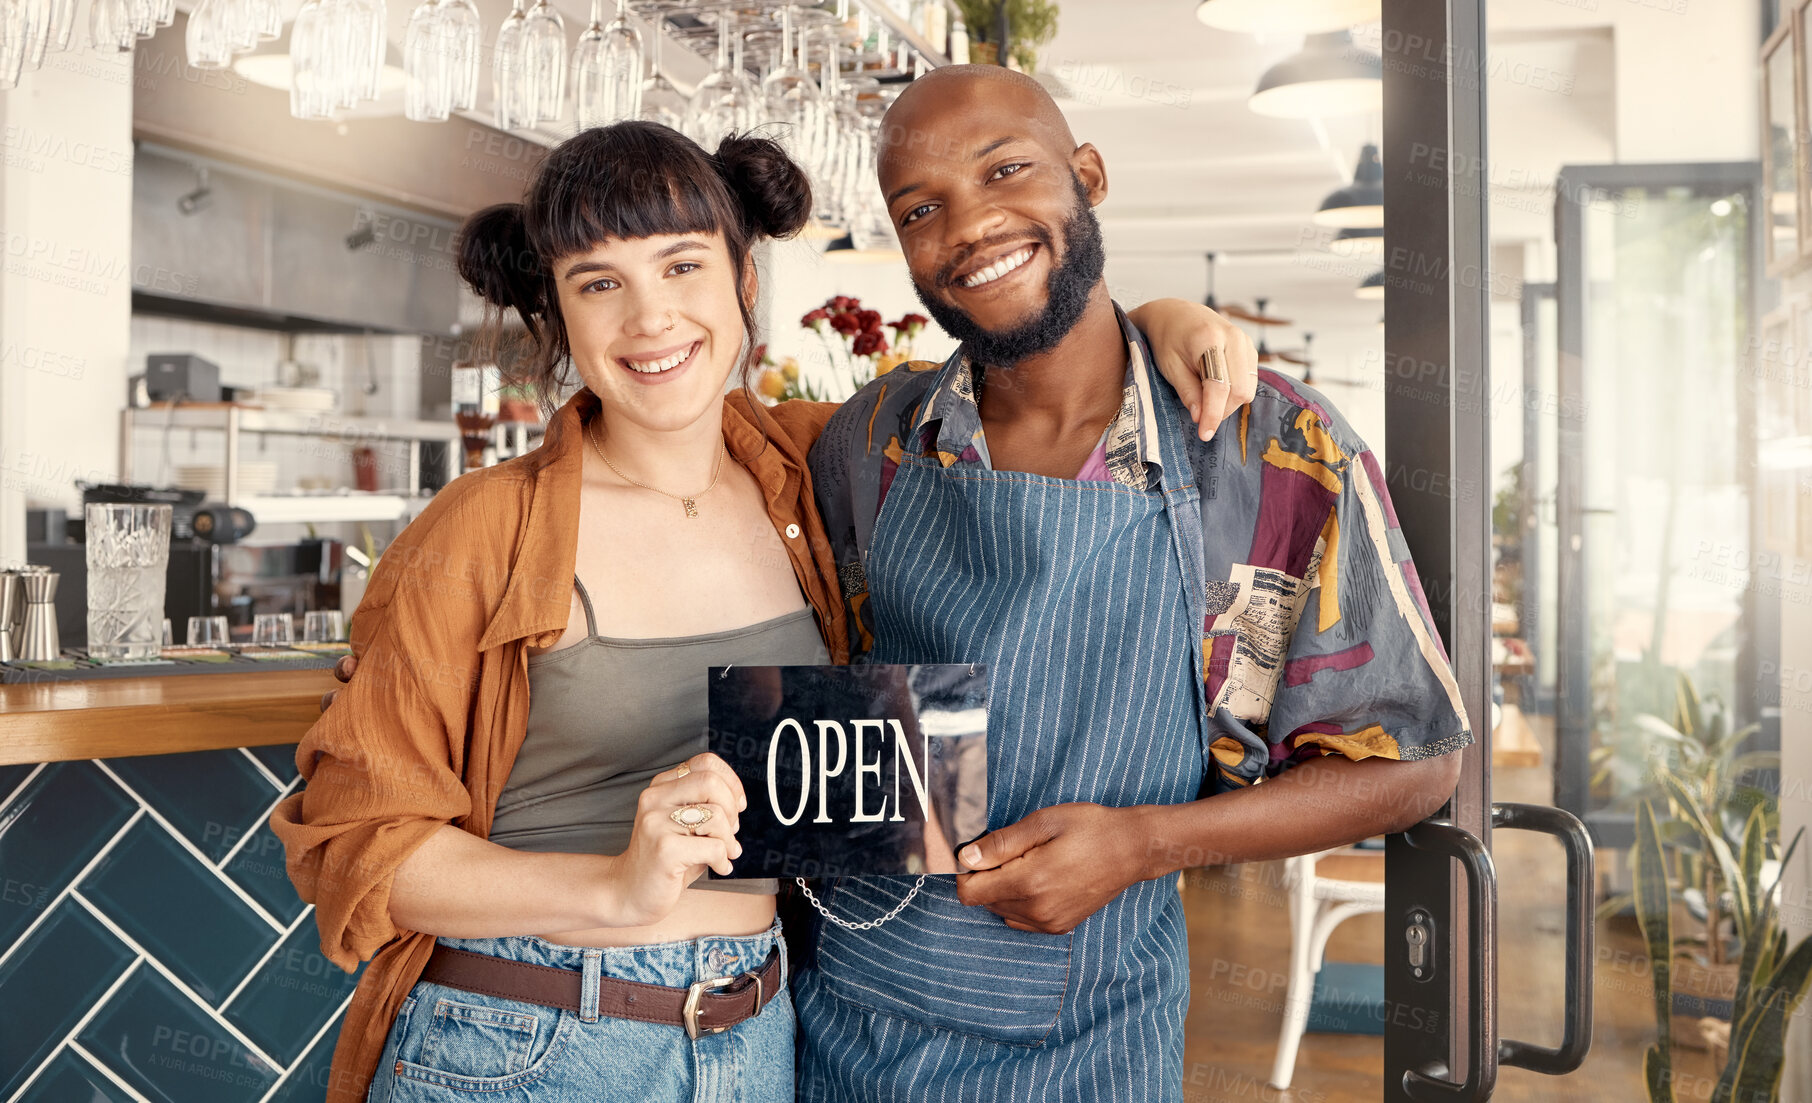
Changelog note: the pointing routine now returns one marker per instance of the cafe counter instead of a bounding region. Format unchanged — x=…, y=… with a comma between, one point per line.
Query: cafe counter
x=149, y=934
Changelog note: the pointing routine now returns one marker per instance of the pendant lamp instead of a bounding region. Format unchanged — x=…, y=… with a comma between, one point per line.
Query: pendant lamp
x=1359, y=205
x=1328, y=76
x=1372, y=288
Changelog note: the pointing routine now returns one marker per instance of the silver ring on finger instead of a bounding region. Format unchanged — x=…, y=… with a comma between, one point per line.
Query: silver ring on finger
x=691, y=817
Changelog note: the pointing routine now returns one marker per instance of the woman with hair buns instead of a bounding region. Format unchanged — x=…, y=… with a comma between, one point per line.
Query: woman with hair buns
x=509, y=810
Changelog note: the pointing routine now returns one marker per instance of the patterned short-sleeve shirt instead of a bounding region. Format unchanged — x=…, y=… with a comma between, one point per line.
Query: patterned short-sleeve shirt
x=1316, y=637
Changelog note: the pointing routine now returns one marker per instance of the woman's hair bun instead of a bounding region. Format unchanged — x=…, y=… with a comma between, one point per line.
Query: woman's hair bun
x=497, y=260
x=775, y=194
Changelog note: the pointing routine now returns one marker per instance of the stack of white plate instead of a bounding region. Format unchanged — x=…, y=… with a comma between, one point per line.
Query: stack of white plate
x=255, y=477
x=294, y=398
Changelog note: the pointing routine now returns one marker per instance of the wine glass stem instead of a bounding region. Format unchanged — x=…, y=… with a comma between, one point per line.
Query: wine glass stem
x=597, y=13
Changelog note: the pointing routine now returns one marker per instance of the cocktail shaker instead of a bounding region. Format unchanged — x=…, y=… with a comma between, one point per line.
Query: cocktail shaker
x=38, y=635
x=12, y=613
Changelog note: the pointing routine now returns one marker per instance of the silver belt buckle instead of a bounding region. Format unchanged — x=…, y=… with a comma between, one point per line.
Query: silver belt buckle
x=689, y=1014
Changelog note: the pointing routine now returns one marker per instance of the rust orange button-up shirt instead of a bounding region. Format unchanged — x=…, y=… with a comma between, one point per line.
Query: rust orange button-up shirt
x=427, y=731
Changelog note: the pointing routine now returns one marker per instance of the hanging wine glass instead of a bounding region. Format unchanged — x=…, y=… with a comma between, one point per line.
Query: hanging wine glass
x=241, y=22
x=266, y=20
x=427, y=95
x=795, y=101
x=588, y=70
x=722, y=103
x=206, y=39
x=62, y=22
x=34, y=35
x=661, y=101
x=13, y=41
x=311, y=92
x=509, y=85
x=109, y=27
x=620, y=79
x=364, y=46
x=831, y=186
x=544, y=55
x=463, y=33
x=143, y=14
x=166, y=13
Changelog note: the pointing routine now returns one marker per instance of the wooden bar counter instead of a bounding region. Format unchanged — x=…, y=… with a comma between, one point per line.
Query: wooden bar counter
x=60, y=721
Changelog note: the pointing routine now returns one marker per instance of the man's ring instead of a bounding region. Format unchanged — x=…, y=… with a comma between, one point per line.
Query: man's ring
x=1214, y=369
x=691, y=817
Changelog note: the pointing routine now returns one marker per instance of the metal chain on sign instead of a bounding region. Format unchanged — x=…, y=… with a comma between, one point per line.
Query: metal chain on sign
x=872, y=923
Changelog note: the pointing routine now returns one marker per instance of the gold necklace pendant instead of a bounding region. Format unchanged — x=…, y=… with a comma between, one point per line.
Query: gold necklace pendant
x=691, y=506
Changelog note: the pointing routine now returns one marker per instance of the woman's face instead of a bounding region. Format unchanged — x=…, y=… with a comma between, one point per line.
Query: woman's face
x=654, y=325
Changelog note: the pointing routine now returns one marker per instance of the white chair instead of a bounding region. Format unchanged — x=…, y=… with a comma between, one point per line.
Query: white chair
x=1317, y=906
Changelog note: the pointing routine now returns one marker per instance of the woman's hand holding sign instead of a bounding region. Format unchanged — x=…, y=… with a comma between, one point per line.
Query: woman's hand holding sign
x=1054, y=868
x=685, y=821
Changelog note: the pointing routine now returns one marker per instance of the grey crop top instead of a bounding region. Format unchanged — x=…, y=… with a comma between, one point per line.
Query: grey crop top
x=607, y=714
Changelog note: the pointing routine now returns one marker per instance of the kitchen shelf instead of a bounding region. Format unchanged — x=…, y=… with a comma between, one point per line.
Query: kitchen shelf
x=276, y=509
x=232, y=419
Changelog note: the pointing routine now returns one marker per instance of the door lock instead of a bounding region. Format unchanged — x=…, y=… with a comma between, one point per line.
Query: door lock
x=1419, y=934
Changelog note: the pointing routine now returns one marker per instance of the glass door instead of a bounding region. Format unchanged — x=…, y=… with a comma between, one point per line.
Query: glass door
x=1657, y=273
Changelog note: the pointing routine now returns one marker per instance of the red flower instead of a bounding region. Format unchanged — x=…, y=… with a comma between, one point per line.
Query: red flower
x=812, y=318
x=911, y=323
x=869, y=342
x=761, y=355
x=842, y=302
x=846, y=323
x=869, y=320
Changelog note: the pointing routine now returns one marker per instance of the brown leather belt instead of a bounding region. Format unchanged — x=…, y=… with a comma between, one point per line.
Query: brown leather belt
x=707, y=1007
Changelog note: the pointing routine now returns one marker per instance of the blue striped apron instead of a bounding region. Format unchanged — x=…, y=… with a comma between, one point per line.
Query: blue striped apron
x=1084, y=599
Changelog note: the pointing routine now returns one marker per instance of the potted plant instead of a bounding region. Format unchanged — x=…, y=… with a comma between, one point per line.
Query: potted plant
x=1771, y=976
x=518, y=402
x=1030, y=24
x=1696, y=773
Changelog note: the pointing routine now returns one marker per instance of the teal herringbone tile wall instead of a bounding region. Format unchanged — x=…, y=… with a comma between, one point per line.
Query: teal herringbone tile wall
x=151, y=947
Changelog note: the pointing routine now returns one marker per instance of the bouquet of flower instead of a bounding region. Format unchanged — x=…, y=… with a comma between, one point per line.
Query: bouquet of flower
x=857, y=348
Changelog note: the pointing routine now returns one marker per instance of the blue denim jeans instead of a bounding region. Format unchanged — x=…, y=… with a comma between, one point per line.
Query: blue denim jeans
x=450, y=1044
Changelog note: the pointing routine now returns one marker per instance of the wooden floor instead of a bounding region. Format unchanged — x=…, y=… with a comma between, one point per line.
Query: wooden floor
x=1239, y=935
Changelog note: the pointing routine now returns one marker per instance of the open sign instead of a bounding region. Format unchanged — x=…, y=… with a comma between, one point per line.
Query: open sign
x=872, y=769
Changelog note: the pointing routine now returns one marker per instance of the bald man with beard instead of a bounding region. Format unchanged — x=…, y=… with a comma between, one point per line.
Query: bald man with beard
x=1199, y=652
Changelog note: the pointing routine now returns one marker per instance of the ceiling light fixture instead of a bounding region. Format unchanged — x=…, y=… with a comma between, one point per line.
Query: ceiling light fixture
x=1285, y=16
x=1359, y=244
x=1328, y=76
x=1359, y=205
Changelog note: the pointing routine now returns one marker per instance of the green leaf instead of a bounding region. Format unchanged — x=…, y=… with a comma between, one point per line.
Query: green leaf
x=1653, y=901
x=1659, y=728
x=1688, y=805
x=1758, y=1043
x=1754, y=936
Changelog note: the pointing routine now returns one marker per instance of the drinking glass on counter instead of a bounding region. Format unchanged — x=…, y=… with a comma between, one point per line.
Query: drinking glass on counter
x=272, y=630
x=323, y=626
x=128, y=553
x=208, y=632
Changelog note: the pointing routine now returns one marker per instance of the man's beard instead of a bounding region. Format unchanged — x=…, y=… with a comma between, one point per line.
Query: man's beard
x=1067, y=291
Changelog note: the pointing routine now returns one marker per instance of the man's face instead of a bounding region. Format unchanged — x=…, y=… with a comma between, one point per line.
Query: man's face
x=996, y=221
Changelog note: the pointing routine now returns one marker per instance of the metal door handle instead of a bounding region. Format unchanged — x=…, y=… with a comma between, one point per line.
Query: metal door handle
x=1440, y=837
x=1576, y=1037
